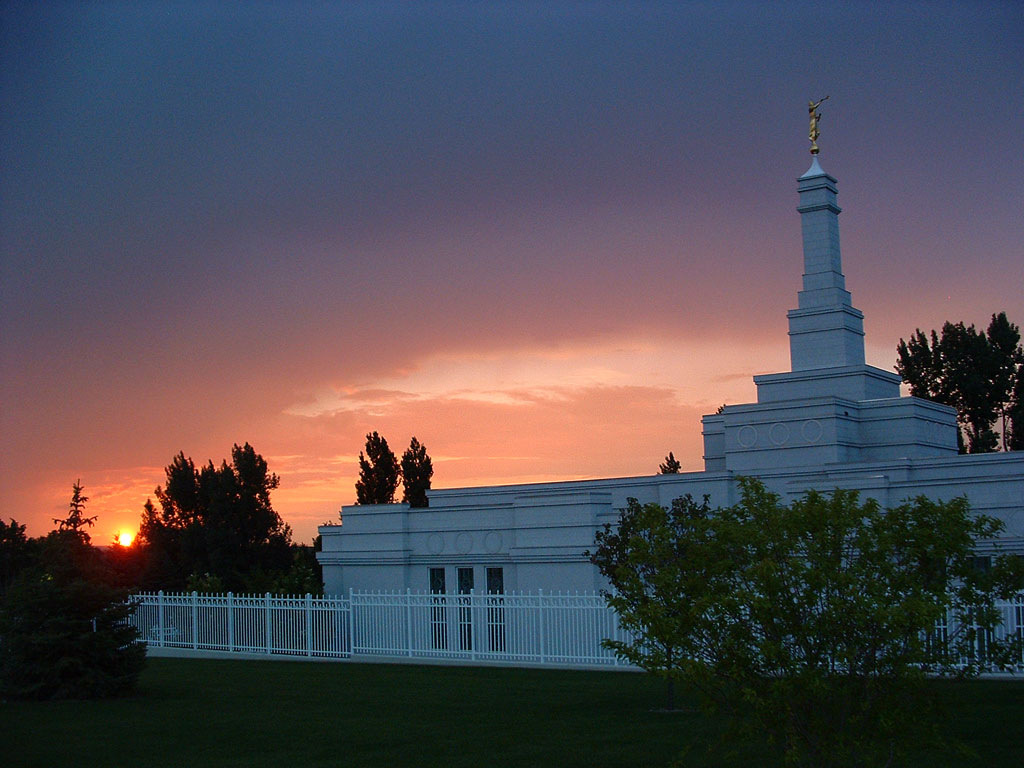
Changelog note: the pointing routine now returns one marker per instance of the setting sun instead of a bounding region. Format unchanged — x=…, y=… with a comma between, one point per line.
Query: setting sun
x=125, y=538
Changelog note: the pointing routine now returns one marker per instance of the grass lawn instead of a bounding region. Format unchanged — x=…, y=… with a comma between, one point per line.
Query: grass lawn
x=203, y=712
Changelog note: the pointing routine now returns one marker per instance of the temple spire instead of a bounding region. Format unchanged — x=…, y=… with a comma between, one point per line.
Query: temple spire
x=825, y=331
x=831, y=408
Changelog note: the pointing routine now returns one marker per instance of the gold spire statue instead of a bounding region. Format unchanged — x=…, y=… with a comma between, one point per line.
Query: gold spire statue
x=815, y=116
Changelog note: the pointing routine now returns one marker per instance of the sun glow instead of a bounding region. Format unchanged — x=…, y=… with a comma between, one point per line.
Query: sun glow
x=125, y=538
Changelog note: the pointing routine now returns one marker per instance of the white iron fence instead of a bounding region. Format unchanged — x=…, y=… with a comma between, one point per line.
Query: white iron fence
x=535, y=628
x=271, y=624
x=556, y=629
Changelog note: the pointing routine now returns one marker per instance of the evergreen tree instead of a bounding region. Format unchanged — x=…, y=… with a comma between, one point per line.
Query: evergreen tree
x=671, y=465
x=64, y=631
x=76, y=521
x=417, y=470
x=378, y=472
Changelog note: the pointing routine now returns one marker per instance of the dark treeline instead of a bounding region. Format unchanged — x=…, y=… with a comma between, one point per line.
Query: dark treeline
x=63, y=601
x=212, y=529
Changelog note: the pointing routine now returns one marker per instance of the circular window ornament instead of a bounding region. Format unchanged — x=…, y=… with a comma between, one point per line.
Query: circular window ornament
x=492, y=542
x=811, y=430
x=435, y=544
x=747, y=437
x=463, y=543
x=779, y=433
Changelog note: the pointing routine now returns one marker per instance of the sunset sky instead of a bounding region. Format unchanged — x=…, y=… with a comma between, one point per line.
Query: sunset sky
x=543, y=238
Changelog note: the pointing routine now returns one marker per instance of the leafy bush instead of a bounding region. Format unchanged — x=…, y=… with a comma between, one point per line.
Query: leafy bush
x=812, y=623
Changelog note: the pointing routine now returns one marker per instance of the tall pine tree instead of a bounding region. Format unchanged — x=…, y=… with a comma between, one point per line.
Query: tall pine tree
x=671, y=465
x=378, y=472
x=417, y=470
x=76, y=521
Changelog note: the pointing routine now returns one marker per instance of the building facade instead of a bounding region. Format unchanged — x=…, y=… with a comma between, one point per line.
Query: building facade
x=830, y=422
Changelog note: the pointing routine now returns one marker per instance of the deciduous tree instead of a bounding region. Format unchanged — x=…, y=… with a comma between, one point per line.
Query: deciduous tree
x=658, y=562
x=1007, y=363
x=215, y=520
x=1015, y=413
x=15, y=553
x=974, y=372
x=813, y=622
x=417, y=469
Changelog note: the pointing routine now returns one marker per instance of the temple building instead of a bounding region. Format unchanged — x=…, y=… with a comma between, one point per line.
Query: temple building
x=830, y=422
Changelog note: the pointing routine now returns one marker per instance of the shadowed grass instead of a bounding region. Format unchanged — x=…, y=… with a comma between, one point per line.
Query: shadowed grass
x=205, y=712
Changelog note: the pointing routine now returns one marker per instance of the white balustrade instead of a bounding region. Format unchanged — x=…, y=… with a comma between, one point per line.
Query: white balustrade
x=564, y=630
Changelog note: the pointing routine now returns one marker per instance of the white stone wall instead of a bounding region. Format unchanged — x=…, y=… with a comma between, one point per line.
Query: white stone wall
x=538, y=533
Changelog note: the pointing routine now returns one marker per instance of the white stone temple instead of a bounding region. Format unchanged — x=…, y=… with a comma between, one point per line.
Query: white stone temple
x=830, y=422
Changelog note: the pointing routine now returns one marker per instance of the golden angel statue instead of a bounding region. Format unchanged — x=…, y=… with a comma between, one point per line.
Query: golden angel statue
x=815, y=116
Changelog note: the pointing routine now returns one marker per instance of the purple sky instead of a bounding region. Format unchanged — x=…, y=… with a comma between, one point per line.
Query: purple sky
x=543, y=238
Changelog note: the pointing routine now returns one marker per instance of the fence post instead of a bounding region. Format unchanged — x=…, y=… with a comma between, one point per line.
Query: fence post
x=195, y=620
x=540, y=622
x=160, y=617
x=270, y=623
x=1019, y=622
x=472, y=626
x=309, y=624
x=616, y=634
x=408, y=620
x=231, y=621
x=351, y=624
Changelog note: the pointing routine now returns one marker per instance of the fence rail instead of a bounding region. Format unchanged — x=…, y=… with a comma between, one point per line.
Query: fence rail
x=512, y=628
x=535, y=628
x=270, y=624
